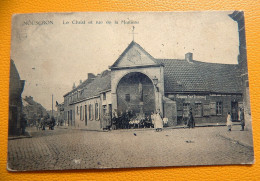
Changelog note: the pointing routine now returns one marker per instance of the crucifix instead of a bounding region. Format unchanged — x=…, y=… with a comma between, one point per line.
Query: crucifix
x=133, y=33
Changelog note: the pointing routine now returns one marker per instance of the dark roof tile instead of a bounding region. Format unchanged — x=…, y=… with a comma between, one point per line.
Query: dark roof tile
x=180, y=75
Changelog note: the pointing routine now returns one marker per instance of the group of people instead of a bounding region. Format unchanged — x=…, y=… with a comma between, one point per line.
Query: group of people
x=241, y=118
x=128, y=119
x=123, y=120
x=45, y=121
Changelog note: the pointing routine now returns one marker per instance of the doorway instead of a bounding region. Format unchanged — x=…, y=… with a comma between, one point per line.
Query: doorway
x=234, y=110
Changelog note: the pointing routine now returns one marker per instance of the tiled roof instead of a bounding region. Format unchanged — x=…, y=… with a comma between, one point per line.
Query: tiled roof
x=184, y=76
x=101, y=83
x=80, y=86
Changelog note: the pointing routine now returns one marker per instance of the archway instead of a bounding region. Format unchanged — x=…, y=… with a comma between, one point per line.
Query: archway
x=135, y=92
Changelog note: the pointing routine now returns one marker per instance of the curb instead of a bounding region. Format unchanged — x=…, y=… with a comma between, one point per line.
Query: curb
x=27, y=135
x=237, y=141
x=146, y=129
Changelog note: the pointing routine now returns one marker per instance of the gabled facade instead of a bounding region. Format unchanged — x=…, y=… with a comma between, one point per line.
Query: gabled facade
x=140, y=83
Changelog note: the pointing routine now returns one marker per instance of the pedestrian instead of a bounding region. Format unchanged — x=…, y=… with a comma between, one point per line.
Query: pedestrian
x=109, y=121
x=114, y=119
x=126, y=119
x=52, y=123
x=190, y=121
x=152, y=118
x=242, y=119
x=43, y=123
x=158, y=123
x=229, y=121
x=38, y=124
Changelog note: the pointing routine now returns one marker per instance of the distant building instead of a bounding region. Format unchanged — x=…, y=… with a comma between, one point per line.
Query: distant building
x=15, y=100
x=32, y=109
x=60, y=114
x=70, y=98
x=140, y=83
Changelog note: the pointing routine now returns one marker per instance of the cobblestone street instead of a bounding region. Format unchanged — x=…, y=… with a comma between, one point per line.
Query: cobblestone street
x=79, y=149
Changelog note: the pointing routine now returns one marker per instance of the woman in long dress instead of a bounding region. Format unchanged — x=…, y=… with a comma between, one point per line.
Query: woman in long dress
x=229, y=121
x=158, y=123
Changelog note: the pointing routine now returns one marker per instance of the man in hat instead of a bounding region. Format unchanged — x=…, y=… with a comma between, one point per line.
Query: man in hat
x=242, y=119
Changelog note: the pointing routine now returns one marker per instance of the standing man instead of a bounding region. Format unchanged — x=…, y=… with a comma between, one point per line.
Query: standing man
x=52, y=122
x=114, y=119
x=242, y=119
x=191, y=122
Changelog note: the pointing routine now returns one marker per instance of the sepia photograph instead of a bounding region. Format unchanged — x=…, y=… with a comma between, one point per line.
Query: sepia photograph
x=98, y=90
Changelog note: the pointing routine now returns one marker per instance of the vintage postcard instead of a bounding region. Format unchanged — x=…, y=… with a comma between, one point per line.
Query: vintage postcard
x=93, y=90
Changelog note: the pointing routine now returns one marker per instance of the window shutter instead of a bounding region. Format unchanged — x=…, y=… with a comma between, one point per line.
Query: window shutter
x=213, y=108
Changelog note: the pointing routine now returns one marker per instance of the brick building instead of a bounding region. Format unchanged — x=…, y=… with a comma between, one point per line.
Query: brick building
x=139, y=82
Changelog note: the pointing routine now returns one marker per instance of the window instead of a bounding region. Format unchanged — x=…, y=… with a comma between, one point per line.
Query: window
x=198, y=110
x=86, y=113
x=186, y=109
x=104, y=96
x=104, y=109
x=81, y=113
x=219, y=108
x=96, y=111
x=77, y=110
x=90, y=112
x=127, y=97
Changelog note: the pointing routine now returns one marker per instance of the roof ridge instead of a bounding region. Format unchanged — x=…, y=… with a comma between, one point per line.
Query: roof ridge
x=196, y=61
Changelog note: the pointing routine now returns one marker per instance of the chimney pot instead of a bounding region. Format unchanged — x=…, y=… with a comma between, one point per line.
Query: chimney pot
x=189, y=57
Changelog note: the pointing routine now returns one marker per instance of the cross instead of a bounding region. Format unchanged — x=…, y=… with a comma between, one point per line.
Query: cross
x=133, y=33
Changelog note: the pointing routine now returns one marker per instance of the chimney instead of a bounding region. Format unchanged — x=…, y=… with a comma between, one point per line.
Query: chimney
x=91, y=76
x=74, y=86
x=80, y=81
x=189, y=57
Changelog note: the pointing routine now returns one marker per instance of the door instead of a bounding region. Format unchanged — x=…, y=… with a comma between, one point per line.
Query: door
x=110, y=110
x=170, y=112
x=234, y=111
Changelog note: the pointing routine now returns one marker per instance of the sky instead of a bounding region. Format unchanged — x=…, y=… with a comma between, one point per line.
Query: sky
x=52, y=56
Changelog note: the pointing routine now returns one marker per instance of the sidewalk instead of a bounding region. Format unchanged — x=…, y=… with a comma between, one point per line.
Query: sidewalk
x=201, y=125
x=244, y=138
x=142, y=129
x=14, y=137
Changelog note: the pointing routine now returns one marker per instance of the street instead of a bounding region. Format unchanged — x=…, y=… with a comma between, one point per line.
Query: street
x=80, y=149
